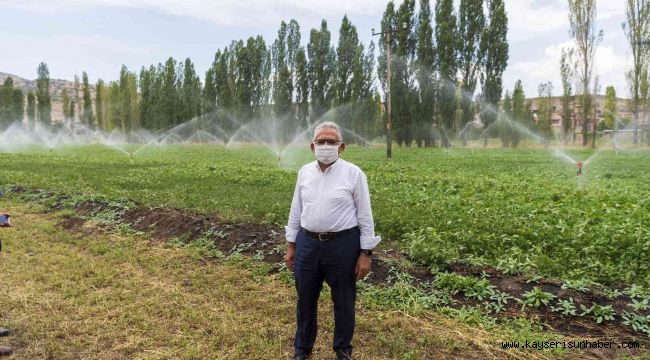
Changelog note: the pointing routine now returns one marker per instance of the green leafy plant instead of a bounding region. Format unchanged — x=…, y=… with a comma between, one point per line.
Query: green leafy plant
x=637, y=322
x=637, y=292
x=640, y=305
x=565, y=307
x=600, y=313
x=536, y=298
x=479, y=290
x=498, y=302
x=577, y=284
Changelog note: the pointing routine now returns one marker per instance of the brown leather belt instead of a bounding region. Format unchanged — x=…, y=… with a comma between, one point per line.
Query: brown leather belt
x=325, y=236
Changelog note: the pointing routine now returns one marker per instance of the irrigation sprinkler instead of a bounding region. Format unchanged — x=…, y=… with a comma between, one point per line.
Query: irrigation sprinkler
x=579, y=165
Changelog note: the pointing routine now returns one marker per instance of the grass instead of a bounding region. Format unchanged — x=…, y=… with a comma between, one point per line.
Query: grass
x=120, y=296
x=519, y=210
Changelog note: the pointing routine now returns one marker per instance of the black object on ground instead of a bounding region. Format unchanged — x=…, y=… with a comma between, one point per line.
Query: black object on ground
x=6, y=350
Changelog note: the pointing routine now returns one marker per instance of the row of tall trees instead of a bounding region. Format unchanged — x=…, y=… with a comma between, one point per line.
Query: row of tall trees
x=436, y=70
x=39, y=105
x=248, y=80
x=12, y=102
x=443, y=62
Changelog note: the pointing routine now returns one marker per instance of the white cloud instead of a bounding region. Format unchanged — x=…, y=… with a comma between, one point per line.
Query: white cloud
x=609, y=66
x=224, y=12
x=528, y=20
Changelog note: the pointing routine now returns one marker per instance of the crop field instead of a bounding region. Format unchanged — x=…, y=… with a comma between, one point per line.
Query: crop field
x=509, y=233
x=522, y=211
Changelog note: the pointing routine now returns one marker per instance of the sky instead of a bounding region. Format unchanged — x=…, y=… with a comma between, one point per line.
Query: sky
x=98, y=36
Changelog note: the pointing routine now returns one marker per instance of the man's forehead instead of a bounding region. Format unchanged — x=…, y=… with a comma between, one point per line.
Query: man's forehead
x=327, y=133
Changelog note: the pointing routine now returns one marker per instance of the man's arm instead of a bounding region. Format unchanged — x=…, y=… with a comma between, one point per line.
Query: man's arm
x=293, y=225
x=364, y=214
x=366, y=225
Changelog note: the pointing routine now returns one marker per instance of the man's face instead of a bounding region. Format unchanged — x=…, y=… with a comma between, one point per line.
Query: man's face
x=328, y=136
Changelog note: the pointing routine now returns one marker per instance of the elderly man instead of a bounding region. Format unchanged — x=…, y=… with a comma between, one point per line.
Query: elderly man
x=330, y=237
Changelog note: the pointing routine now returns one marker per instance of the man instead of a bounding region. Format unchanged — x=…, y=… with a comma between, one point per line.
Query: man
x=330, y=237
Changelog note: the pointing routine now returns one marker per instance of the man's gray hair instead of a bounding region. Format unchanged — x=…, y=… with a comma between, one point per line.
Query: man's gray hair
x=328, y=125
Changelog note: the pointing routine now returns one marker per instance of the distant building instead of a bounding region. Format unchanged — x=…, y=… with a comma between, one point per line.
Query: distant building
x=622, y=111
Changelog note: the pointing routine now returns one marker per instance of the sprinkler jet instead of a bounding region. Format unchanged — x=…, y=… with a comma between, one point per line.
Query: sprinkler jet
x=579, y=165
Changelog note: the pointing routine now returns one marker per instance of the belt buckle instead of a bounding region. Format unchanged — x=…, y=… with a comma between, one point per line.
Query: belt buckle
x=320, y=238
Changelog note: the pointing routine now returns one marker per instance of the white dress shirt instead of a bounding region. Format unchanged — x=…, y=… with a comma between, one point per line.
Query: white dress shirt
x=330, y=201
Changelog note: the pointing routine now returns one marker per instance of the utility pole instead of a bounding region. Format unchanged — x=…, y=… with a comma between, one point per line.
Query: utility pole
x=389, y=105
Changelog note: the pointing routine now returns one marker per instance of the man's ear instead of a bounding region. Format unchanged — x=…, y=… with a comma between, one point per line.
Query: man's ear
x=312, y=147
x=341, y=148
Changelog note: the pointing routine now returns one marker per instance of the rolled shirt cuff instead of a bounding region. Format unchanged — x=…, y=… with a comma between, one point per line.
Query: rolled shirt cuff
x=369, y=242
x=290, y=234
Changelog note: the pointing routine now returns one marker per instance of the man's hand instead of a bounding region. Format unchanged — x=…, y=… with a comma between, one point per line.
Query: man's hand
x=363, y=266
x=290, y=255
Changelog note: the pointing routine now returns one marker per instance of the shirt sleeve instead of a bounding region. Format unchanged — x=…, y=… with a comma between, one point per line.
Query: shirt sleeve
x=293, y=226
x=364, y=213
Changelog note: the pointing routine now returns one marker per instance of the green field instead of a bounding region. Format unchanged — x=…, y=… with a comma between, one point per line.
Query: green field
x=518, y=210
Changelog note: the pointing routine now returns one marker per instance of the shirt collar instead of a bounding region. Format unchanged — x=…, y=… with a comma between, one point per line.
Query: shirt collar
x=329, y=168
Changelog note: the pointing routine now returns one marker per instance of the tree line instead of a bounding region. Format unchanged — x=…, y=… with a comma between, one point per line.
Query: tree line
x=445, y=63
x=442, y=73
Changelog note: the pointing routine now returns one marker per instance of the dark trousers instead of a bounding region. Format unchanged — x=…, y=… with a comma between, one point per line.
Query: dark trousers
x=333, y=261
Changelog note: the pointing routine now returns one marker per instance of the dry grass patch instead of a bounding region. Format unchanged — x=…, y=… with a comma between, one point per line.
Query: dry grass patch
x=109, y=296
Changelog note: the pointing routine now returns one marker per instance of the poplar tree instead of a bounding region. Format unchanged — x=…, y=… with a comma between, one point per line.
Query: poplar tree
x=258, y=77
x=447, y=55
x=284, y=51
x=190, y=92
x=77, y=96
x=567, y=75
x=302, y=89
x=425, y=77
x=6, y=103
x=369, y=101
x=470, y=29
x=320, y=70
x=544, y=112
x=65, y=99
x=609, y=121
x=128, y=100
x=148, y=97
x=505, y=129
x=494, y=46
x=87, y=117
x=114, y=112
x=389, y=22
x=100, y=111
x=637, y=31
x=18, y=105
x=44, y=113
x=405, y=96
x=582, y=18
x=209, y=93
x=168, y=100
x=520, y=111
x=31, y=110
x=348, y=58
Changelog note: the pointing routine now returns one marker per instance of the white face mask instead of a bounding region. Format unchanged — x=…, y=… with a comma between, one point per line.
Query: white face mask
x=326, y=154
